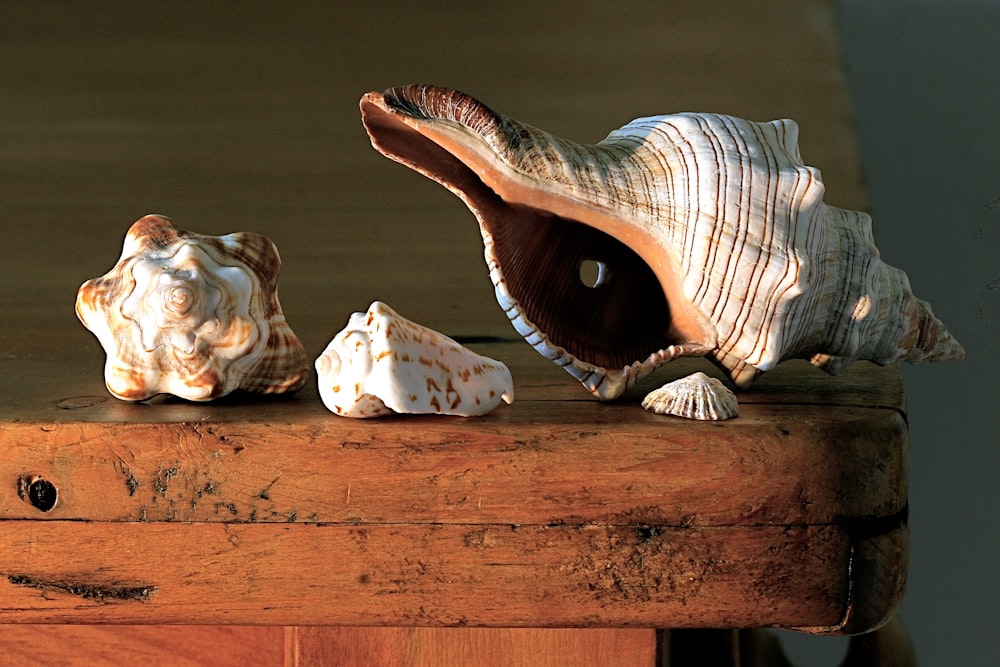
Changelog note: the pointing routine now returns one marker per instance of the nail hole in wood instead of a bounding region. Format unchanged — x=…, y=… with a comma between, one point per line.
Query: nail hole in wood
x=41, y=493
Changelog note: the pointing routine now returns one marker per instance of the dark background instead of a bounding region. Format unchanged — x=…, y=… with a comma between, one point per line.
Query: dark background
x=925, y=79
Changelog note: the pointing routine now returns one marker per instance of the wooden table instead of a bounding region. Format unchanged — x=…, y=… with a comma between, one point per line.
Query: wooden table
x=598, y=522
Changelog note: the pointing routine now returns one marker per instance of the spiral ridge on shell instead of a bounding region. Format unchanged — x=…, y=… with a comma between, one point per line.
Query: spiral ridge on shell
x=711, y=231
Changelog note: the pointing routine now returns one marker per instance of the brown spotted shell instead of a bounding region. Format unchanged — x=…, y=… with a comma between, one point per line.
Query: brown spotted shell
x=382, y=363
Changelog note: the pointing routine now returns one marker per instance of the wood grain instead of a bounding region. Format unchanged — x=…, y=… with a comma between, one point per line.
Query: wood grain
x=556, y=498
x=314, y=646
x=239, y=646
x=141, y=645
x=431, y=575
x=484, y=647
x=542, y=463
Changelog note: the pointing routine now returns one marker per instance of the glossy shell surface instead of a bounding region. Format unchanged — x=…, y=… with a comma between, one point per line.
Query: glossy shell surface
x=192, y=315
x=382, y=364
x=704, y=234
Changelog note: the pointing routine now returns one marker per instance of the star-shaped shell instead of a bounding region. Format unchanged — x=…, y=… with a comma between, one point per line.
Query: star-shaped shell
x=703, y=234
x=382, y=363
x=191, y=315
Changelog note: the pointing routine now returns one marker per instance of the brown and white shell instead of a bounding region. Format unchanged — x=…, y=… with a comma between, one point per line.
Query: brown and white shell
x=192, y=315
x=382, y=363
x=696, y=396
x=706, y=235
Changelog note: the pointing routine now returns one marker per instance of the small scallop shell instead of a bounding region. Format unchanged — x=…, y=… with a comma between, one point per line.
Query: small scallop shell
x=191, y=315
x=696, y=396
x=382, y=363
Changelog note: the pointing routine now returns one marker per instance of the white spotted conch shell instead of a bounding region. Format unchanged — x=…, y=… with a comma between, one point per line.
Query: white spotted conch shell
x=191, y=315
x=704, y=235
x=382, y=363
x=696, y=396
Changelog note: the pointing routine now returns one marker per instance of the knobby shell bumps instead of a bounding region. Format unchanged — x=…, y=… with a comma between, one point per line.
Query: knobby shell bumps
x=705, y=235
x=381, y=363
x=191, y=315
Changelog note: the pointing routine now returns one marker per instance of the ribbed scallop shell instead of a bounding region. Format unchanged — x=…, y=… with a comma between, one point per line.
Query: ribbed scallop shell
x=191, y=315
x=696, y=396
x=708, y=233
x=382, y=363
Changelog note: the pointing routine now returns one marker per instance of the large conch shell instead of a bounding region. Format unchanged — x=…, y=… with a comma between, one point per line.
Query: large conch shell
x=382, y=363
x=191, y=315
x=703, y=235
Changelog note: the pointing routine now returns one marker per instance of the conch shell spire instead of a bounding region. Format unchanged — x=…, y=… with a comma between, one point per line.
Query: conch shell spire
x=708, y=233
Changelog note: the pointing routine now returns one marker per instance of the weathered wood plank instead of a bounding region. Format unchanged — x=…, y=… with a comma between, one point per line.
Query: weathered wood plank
x=533, y=465
x=419, y=575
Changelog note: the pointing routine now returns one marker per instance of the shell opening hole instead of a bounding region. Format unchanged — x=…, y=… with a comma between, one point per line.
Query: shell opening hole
x=593, y=273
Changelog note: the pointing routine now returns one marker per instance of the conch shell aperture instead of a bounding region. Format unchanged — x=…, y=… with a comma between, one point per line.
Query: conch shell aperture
x=192, y=315
x=708, y=233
